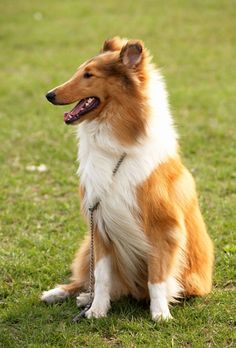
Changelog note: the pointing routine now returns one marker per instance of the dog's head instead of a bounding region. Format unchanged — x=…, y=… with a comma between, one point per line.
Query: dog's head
x=114, y=75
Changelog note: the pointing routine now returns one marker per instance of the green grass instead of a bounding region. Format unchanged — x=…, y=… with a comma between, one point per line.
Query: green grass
x=42, y=43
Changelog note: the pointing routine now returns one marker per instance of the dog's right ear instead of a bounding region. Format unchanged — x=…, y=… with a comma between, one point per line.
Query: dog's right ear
x=114, y=44
x=131, y=54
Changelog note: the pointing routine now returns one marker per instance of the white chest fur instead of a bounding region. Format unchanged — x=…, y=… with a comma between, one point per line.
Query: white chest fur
x=117, y=216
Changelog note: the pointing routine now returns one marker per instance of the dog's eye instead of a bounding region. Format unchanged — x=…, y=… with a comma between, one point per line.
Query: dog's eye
x=87, y=75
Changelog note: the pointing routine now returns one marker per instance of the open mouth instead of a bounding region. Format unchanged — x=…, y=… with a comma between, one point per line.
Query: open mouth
x=83, y=107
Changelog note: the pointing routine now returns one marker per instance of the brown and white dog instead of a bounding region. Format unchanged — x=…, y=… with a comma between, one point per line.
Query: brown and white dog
x=150, y=238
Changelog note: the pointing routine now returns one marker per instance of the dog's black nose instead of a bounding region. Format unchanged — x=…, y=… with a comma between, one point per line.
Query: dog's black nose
x=51, y=96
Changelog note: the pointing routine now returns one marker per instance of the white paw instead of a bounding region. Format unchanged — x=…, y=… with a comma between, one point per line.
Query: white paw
x=83, y=299
x=161, y=316
x=97, y=311
x=159, y=302
x=54, y=295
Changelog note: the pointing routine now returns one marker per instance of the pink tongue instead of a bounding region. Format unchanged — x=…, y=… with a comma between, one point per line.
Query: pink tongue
x=77, y=108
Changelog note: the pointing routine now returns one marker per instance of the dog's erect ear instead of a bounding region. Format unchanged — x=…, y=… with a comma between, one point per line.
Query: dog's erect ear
x=132, y=53
x=114, y=44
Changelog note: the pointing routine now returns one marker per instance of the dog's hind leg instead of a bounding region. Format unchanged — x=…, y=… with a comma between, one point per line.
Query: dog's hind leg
x=60, y=292
x=80, y=277
x=197, y=276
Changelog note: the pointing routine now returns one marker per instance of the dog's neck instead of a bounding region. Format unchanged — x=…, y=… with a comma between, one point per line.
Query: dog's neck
x=159, y=141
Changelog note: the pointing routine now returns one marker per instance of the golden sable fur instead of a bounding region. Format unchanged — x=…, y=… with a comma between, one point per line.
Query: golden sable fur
x=175, y=253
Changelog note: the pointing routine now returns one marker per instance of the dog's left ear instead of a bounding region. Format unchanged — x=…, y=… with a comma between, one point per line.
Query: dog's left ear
x=131, y=54
x=114, y=44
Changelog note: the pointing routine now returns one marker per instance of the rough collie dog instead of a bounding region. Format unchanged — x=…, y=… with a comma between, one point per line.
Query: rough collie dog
x=150, y=240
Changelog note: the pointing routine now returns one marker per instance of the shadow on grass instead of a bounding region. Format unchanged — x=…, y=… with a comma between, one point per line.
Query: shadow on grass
x=34, y=310
x=35, y=322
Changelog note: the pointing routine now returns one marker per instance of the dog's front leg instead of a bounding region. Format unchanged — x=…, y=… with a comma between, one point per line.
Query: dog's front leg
x=159, y=301
x=163, y=264
x=102, y=288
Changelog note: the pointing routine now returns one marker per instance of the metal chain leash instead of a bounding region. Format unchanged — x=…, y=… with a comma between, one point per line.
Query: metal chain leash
x=91, y=263
x=122, y=157
x=92, y=209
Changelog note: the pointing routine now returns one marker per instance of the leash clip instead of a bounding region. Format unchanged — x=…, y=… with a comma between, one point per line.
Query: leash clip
x=81, y=315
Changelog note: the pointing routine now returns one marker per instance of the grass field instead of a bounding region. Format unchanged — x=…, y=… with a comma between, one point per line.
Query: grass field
x=42, y=43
